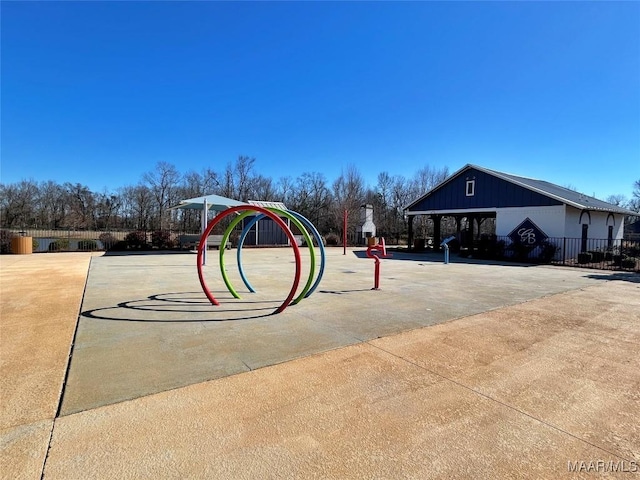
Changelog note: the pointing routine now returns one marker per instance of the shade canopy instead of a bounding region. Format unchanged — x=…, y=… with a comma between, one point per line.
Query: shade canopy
x=213, y=202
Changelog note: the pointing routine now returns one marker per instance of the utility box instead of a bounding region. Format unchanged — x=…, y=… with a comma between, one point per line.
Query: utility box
x=22, y=245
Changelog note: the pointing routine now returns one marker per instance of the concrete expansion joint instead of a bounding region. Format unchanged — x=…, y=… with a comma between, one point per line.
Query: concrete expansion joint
x=499, y=402
x=46, y=457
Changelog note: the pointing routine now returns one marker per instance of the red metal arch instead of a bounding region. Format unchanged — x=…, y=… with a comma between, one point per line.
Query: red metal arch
x=272, y=216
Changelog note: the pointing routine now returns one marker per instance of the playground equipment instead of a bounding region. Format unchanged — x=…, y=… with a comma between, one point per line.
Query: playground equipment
x=372, y=252
x=275, y=214
x=445, y=244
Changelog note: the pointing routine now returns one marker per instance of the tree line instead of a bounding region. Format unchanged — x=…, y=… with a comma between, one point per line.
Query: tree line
x=144, y=206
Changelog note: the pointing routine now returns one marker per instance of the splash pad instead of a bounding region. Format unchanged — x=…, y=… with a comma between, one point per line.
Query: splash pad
x=275, y=214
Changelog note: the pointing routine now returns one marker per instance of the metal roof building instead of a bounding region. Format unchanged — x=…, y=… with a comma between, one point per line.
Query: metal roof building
x=518, y=204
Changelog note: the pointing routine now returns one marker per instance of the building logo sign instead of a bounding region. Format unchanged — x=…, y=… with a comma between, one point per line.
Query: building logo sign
x=528, y=233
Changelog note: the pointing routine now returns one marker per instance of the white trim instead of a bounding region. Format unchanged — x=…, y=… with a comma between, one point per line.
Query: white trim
x=501, y=175
x=447, y=212
x=472, y=184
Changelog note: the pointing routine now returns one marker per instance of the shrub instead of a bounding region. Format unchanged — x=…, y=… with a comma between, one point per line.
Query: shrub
x=108, y=240
x=59, y=244
x=119, y=246
x=632, y=250
x=137, y=239
x=35, y=244
x=5, y=240
x=548, y=251
x=521, y=251
x=162, y=239
x=234, y=238
x=628, y=262
x=584, y=257
x=87, y=245
x=314, y=241
x=332, y=240
x=597, y=256
x=498, y=249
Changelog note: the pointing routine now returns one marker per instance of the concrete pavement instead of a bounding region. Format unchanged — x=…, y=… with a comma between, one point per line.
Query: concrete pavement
x=467, y=370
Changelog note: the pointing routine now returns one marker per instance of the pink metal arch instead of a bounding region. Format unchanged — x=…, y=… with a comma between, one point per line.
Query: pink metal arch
x=272, y=216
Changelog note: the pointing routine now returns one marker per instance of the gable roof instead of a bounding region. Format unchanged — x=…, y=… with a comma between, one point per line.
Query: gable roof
x=214, y=202
x=556, y=192
x=268, y=204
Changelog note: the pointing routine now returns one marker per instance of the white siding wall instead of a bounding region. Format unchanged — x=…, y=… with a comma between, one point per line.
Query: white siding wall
x=573, y=227
x=598, y=226
x=551, y=220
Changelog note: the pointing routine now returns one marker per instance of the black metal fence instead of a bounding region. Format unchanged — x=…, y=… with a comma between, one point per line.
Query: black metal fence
x=603, y=254
x=88, y=240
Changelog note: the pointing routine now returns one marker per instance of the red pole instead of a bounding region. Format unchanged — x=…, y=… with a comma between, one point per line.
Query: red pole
x=344, y=232
x=376, y=280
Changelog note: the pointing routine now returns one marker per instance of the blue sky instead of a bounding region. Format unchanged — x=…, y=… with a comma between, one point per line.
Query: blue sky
x=99, y=92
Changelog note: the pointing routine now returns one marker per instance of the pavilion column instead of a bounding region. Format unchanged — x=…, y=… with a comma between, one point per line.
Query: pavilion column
x=472, y=229
x=436, y=231
x=410, y=238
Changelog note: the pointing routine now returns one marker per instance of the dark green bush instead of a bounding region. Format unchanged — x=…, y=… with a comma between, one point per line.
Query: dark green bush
x=628, y=262
x=162, y=239
x=60, y=244
x=521, y=251
x=332, y=240
x=632, y=250
x=585, y=257
x=597, y=256
x=313, y=240
x=119, y=246
x=136, y=240
x=108, y=240
x=87, y=245
x=547, y=251
x=5, y=240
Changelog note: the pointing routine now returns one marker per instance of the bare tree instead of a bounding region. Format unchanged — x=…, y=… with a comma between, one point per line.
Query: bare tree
x=424, y=180
x=382, y=203
x=634, y=203
x=138, y=206
x=81, y=203
x=18, y=203
x=310, y=196
x=618, y=200
x=107, y=207
x=263, y=189
x=53, y=205
x=348, y=195
x=285, y=189
x=244, y=177
x=163, y=184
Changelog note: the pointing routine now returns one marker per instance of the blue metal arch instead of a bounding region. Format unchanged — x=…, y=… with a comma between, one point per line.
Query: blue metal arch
x=307, y=223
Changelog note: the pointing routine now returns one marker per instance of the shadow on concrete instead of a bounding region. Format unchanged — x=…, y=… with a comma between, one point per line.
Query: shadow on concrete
x=127, y=253
x=173, y=303
x=438, y=257
x=341, y=292
x=625, y=277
